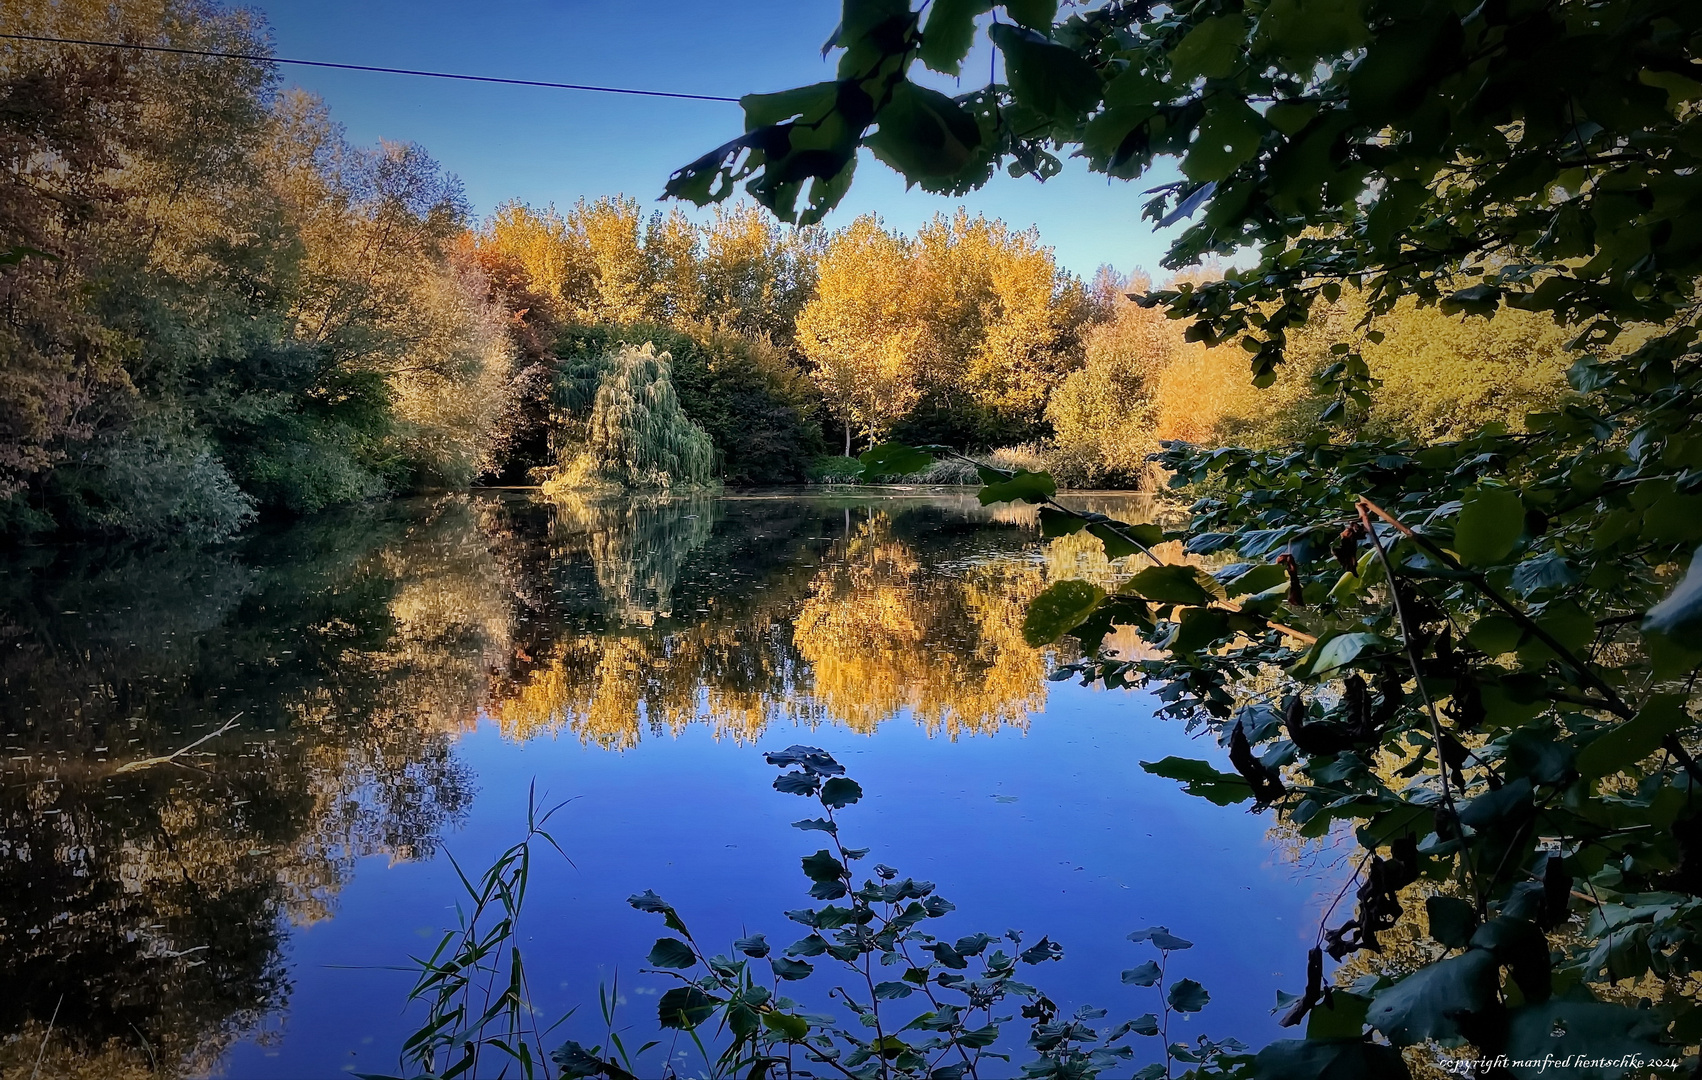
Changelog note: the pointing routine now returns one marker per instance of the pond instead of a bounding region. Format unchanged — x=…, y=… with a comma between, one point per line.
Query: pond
x=355, y=699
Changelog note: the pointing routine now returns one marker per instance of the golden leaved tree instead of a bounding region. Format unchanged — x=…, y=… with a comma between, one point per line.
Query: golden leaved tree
x=964, y=330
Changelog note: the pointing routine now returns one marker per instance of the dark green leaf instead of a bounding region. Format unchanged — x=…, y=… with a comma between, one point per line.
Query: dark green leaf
x=1145, y=975
x=1211, y=49
x=1256, y=579
x=923, y=133
x=893, y=459
x=1452, y=920
x=1058, y=609
x=1186, y=995
x=1023, y=486
x=1329, y=1059
x=1201, y=779
x=684, y=1007
x=1584, y=1031
x=1046, y=77
x=1175, y=584
x=823, y=866
x=1490, y=523
x=1160, y=936
x=790, y=969
x=1431, y=1002
x=1035, y=14
x=949, y=32
x=672, y=953
x=1054, y=523
x=754, y=945
x=840, y=792
x=1635, y=739
x=1123, y=540
x=1340, y=1016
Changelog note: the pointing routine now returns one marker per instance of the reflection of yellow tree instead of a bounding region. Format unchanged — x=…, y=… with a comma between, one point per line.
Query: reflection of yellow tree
x=606, y=689
x=883, y=636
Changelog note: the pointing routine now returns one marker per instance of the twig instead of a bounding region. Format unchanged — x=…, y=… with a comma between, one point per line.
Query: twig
x=1615, y=703
x=171, y=758
x=1411, y=649
x=40, y=1053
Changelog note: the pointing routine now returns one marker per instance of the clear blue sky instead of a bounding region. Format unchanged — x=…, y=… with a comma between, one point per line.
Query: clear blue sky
x=544, y=146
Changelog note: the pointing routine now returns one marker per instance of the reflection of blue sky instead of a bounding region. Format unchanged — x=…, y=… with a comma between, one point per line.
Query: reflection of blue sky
x=553, y=145
x=1055, y=832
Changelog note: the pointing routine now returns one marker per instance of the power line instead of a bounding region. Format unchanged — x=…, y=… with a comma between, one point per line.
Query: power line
x=365, y=67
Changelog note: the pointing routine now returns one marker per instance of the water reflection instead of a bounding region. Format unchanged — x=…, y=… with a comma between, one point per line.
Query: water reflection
x=145, y=904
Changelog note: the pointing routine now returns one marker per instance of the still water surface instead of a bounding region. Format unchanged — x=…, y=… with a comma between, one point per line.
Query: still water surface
x=390, y=683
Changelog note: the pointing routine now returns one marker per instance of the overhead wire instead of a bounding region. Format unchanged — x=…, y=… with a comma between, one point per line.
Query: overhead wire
x=259, y=58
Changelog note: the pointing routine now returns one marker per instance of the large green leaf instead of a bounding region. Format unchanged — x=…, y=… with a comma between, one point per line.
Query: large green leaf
x=949, y=32
x=1228, y=136
x=1490, y=522
x=1201, y=779
x=685, y=1007
x=1329, y=1059
x=1186, y=996
x=1635, y=739
x=1058, y=609
x=1211, y=49
x=1302, y=31
x=1034, y=14
x=672, y=953
x=1596, y=1036
x=1430, y=1003
x=1121, y=540
x=893, y=459
x=924, y=133
x=1046, y=77
x=1022, y=486
x=1340, y=1016
x=1175, y=584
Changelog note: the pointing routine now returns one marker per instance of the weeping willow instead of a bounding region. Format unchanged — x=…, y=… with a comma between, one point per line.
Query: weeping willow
x=619, y=426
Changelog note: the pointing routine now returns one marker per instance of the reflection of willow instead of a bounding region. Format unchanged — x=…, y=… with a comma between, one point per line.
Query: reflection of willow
x=636, y=544
x=143, y=912
x=884, y=636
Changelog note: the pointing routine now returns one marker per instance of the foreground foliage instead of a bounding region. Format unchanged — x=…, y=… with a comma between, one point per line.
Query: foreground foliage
x=1479, y=654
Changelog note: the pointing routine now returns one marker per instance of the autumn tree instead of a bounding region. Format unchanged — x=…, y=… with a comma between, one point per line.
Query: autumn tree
x=862, y=332
x=958, y=334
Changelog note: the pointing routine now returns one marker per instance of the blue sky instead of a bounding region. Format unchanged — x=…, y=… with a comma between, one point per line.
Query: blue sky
x=544, y=146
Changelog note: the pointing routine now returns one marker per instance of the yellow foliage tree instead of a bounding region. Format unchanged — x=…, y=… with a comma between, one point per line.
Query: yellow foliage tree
x=968, y=318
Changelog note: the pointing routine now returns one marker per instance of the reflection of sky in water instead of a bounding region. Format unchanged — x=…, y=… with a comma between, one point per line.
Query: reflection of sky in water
x=385, y=667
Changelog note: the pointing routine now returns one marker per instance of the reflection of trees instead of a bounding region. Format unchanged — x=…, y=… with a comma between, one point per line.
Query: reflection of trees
x=884, y=634
x=152, y=904
x=872, y=630
x=636, y=546
x=147, y=908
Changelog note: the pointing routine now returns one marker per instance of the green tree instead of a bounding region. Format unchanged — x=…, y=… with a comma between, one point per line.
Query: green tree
x=1484, y=615
x=620, y=427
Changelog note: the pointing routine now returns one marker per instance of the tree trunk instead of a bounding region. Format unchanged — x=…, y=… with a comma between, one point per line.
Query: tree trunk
x=848, y=437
